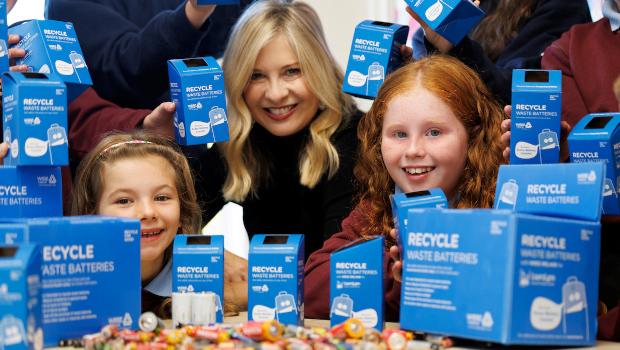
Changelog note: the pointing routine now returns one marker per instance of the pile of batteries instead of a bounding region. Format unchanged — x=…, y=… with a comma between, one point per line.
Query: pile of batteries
x=271, y=335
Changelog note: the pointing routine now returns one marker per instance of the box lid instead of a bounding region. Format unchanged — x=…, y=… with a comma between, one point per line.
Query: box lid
x=34, y=79
x=536, y=80
x=17, y=256
x=275, y=244
x=381, y=26
x=596, y=126
x=198, y=244
x=195, y=66
x=419, y=197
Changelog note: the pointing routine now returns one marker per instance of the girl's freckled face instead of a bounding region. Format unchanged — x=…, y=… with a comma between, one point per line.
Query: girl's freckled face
x=423, y=144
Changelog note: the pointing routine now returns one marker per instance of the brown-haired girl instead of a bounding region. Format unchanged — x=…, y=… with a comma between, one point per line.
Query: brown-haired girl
x=141, y=175
x=433, y=125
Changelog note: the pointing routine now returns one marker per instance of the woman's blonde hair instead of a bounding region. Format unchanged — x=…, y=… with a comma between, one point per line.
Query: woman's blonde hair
x=299, y=24
x=466, y=95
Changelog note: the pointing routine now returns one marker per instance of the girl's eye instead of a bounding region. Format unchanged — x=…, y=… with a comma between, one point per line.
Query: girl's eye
x=434, y=133
x=400, y=134
x=123, y=201
x=162, y=198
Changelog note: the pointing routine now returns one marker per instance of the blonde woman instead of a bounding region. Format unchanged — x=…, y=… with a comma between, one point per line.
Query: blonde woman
x=290, y=158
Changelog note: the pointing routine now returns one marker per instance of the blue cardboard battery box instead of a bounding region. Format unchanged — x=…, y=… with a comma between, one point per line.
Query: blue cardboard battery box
x=498, y=276
x=35, y=119
x=402, y=202
x=90, y=273
x=596, y=138
x=28, y=192
x=536, y=115
x=375, y=53
x=452, y=19
x=198, y=266
x=11, y=234
x=53, y=47
x=4, y=39
x=276, y=281
x=357, y=284
x=197, y=90
x=20, y=298
x=563, y=190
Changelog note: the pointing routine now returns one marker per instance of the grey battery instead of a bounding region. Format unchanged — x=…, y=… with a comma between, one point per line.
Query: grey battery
x=203, y=308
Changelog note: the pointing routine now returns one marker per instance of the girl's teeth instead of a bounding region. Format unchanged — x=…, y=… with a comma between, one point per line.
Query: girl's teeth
x=418, y=170
x=151, y=234
x=280, y=110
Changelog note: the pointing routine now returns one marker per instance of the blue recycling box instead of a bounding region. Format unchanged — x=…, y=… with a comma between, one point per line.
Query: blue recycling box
x=276, y=279
x=4, y=39
x=90, y=273
x=197, y=90
x=10, y=234
x=20, y=297
x=402, y=202
x=536, y=115
x=563, y=190
x=198, y=266
x=29, y=192
x=452, y=19
x=357, y=283
x=498, y=276
x=375, y=53
x=53, y=47
x=35, y=119
x=596, y=139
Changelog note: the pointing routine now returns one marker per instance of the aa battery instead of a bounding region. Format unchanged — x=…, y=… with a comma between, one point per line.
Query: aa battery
x=181, y=308
x=73, y=342
x=203, y=308
x=148, y=322
x=214, y=336
x=352, y=328
x=291, y=330
x=109, y=331
x=395, y=339
x=270, y=330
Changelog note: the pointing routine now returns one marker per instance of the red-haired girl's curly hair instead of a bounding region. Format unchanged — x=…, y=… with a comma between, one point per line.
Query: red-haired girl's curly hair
x=470, y=101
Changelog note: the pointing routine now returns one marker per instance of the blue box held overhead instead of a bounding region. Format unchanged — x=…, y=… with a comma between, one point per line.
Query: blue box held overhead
x=20, y=298
x=563, y=190
x=276, y=279
x=53, y=47
x=90, y=270
x=357, y=283
x=198, y=266
x=536, y=115
x=4, y=39
x=197, y=90
x=402, y=202
x=596, y=138
x=375, y=53
x=29, y=192
x=452, y=19
x=35, y=119
x=497, y=276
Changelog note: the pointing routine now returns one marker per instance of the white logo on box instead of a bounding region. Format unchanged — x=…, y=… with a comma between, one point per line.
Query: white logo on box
x=586, y=178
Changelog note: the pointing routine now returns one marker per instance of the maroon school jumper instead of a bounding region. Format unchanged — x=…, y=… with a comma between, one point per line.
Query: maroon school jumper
x=317, y=301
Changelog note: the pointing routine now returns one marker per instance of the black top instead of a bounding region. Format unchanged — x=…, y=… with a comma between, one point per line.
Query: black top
x=549, y=20
x=284, y=206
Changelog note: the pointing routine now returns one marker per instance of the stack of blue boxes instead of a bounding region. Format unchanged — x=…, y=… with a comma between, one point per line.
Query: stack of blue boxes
x=54, y=270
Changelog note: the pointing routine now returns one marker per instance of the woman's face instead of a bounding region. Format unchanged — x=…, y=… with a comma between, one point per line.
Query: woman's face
x=423, y=144
x=278, y=96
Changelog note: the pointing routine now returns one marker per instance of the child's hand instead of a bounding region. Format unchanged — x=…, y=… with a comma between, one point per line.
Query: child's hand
x=397, y=269
x=160, y=121
x=406, y=51
x=564, y=132
x=235, y=268
x=4, y=149
x=16, y=53
x=198, y=14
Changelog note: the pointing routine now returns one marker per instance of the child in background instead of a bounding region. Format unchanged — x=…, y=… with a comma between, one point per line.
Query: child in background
x=141, y=175
x=433, y=125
